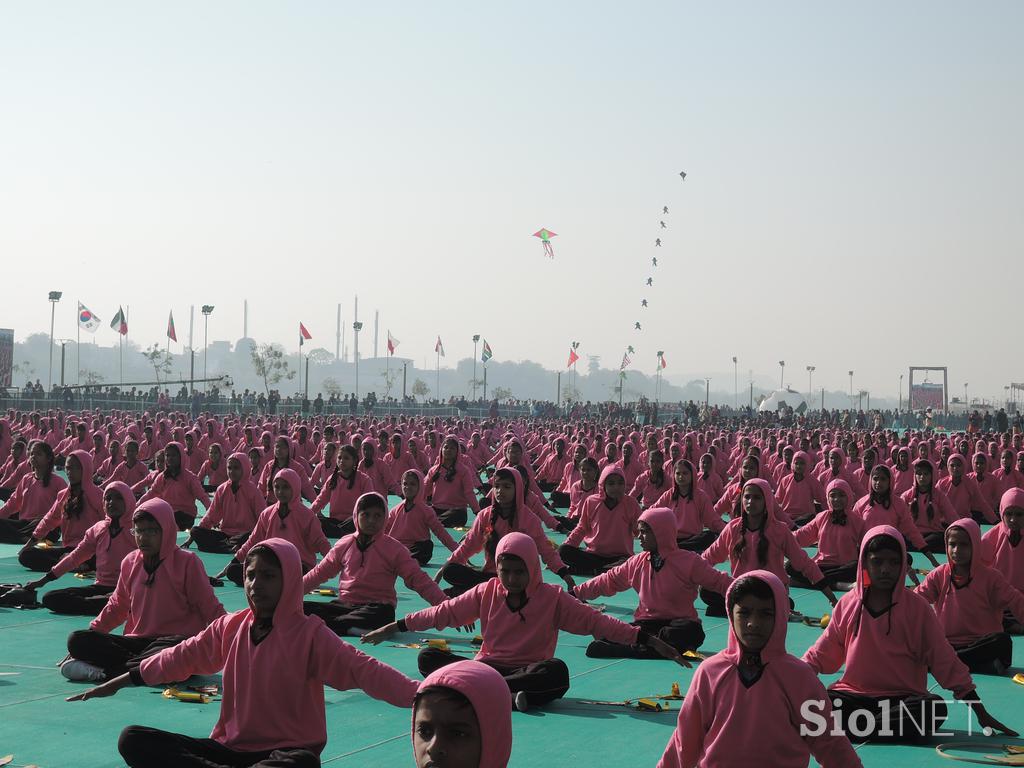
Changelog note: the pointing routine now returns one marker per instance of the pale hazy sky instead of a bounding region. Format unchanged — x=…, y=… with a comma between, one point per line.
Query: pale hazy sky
x=852, y=201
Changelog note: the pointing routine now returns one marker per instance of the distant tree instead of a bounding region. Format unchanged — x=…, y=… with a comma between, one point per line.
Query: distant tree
x=331, y=386
x=570, y=393
x=420, y=388
x=270, y=364
x=593, y=364
x=160, y=359
x=91, y=378
x=390, y=376
x=320, y=356
x=501, y=393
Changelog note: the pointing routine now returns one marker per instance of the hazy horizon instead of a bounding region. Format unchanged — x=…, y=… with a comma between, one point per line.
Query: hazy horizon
x=851, y=196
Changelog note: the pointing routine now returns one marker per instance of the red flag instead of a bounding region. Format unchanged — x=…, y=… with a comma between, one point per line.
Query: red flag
x=439, y=347
x=303, y=334
x=392, y=343
x=663, y=363
x=170, y=327
x=573, y=357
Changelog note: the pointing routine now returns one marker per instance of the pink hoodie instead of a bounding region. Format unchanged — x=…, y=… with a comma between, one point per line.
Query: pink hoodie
x=966, y=496
x=235, y=511
x=181, y=492
x=456, y=493
x=343, y=496
x=298, y=526
x=725, y=723
x=72, y=529
x=891, y=654
x=130, y=475
x=796, y=497
x=897, y=514
x=667, y=592
x=934, y=512
x=998, y=548
x=693, y=514
x=781, y=544
x=529, y=635
x=368, y=574
x=109, y=549
x=975, y=609
x=31, y=500
x=413, y=522
x=607, y=531
x=284, y=673
x=487, y=693
x=837, y=544
x=175, y=599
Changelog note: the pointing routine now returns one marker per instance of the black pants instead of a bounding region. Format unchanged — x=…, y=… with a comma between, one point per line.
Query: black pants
x=582, y=562
x=143, y=747
x=567, y=522
x=341, y=617
x=560, y=499
x=833, y=574
x=335, y=529
x=981, y=655
x=543, y=681
x=681, y=634
x=422, y=551
x=912, y=719
x=546, y=487
x=16, y=531
x=715, y=602
x=42, y=560
x=6, y=493
x=235, y=572
x=697, y=543
x=452, y=518
x=78, y=601
x=218, y=542
x=116, y=654
x=184, y=520
x=936, y=541
x=463, y=578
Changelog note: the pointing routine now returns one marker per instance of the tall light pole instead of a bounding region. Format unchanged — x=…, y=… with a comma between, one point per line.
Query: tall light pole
x=810, y=384
x=357, y=327
x=735, y=383
x=207, y=311
x=54, y=298
x=476, y=340
x=851, y=388
x=966, y=401
x=707, y=390
x=782, y=373
x=901, y=394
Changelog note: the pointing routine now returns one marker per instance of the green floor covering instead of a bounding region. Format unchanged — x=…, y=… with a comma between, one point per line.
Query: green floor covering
x=39, y=727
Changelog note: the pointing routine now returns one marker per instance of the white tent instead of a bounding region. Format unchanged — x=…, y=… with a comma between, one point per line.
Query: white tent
x=783, y=397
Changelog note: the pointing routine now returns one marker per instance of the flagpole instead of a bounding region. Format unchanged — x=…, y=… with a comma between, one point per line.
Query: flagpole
x=78, y=344
x=300, y=366
x=438, y=391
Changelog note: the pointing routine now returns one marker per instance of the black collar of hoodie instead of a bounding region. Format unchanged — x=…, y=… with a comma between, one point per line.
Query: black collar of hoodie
x=150, y=571
x=657, y=561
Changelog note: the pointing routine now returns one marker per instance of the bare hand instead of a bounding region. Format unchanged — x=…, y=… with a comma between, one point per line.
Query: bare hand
x=667, y=651
x=377, y=636
x=438, y=575
x=471, y=627
x=570, y=582
x=985, y=720
x=103, y=690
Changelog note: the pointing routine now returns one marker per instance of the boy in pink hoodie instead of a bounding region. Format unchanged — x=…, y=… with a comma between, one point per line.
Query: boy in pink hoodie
x=1001, y=547
x=163, y=595
x=462, y=718
x=800, y=494
x=889, y=638
x=607, y=526
x=745, y=705
x=963, y=491
x=104, y=546
x=368, y=561
x=275, y=663
x=520, y=617
x=666, y=579
x=970, y=599
x=411, y=521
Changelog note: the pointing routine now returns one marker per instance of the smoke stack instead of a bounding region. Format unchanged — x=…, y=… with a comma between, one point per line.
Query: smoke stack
x=337, y=345
x=245, y=318
x=376, y=324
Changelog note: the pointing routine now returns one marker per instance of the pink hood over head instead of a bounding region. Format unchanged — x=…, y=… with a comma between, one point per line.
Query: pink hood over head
x=522, y=546
x=776, y=646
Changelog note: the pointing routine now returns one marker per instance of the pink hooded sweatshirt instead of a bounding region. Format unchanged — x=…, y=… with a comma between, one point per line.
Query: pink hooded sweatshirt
x=973, y=610
x=72, y=529
x=284, y=673
x=235, y=510
x=934, y=512
x=130, y=475
x=109, y=547
x=487, y=693
x=1001, y=549
x=607, y=531
x=723, y=722
x=368, y=574
x=966, y=495
x=343, y=496
x=781, y=544
x=896, y=514
x=181, y=492
x=175, y=599
x=796, y=497
x=668, y=590
x=695, y=512
x=837, y=544
x=891, y=654
x=298, y=525
x=530, y=634
x=31, y=500
x=987, y=483
x=410, y=522
x=214, y=476
x=454, y=493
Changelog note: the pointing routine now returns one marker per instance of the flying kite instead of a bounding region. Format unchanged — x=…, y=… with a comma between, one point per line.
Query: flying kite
x=650, y=281
x=630, y=350
x=643, y=302
x=657, y=242
x=637, y=325
x=665, y=209
x=682, y=175
x=663, y=225
x=545, y=236
x=654, y=260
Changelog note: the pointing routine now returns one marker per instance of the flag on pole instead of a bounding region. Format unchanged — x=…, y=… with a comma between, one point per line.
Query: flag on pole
x=392, y=343
x=625, y=361
x=170, y=327
x=87, y=321
x=573, y=357
x=486, y=354
x=439, y=347
x=303, y=334
x=119, y=323
x=661, y=360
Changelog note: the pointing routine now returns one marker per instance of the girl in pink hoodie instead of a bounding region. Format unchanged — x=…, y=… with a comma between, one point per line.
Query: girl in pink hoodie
x=213, y=472
x=411, y=521
x=462, y=718
x=345, y=485
x=697, y=524
x=451, y=486
x=1001, y=547
x=970, y=599
x=33, y=497
x=666, y=579
x=163, y=595
x=377, y=470
x=102, y=549
x=746, y=706
x=368, y=561
x=652, y=483
x=237, y=504
x=275, y=663
x=889, y=638
x=131, y=470
x=838, y=535
x=929, y=508
x=520, y=617
x=607, y=525
x=77, y=508
x=800, y=494
x=963, y=492
x=179, y=487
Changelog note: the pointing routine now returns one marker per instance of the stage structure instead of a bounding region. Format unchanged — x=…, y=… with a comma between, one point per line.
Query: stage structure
x=925, y=394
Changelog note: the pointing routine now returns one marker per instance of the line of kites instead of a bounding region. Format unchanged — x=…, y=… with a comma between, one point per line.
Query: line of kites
x=545, y=236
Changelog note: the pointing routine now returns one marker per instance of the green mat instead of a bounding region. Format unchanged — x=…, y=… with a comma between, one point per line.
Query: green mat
x=38, y=726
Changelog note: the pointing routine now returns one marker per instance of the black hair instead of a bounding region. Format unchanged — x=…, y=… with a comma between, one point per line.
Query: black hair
x=658, y=470
x=371, y=501
x=449, y=472
x=749, y=586
x=442, y=693
x=676, y=495
x=264, y=551
x=883, y=542
x=167, y=466
x=491, y=543
x=914, y=506
x=145, y=517
x=762, y=540
x=47, y=449
x=885, y=499
x=349, y=450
